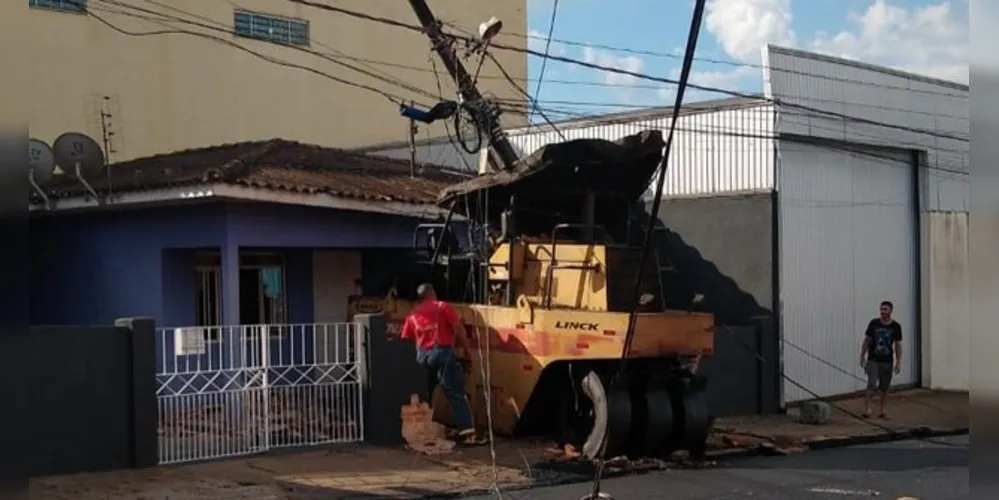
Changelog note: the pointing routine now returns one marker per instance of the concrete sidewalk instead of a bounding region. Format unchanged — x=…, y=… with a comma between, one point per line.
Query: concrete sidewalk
x=915, y=412
x=375, y=472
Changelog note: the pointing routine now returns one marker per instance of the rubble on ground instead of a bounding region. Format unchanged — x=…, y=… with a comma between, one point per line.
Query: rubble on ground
x=421, y=433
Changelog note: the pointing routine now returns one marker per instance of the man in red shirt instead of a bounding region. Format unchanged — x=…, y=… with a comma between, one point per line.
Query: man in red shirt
x=434, y=326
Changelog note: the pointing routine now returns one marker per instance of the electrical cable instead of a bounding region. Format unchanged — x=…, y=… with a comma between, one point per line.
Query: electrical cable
x=888, y=160
x=685, y=69
x=390, y=97
x=544, y=61
x=839, y=369
x=831, y=404
x=337, y=54
x=523, y=92
x=447, y=129
x=955, y=172
x=638, y=75
x=737, y=64
x=627, y=107
x=582, y=120
x=228, y=31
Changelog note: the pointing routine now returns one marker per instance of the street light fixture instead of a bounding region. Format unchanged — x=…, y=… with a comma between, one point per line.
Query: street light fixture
x=490, y=28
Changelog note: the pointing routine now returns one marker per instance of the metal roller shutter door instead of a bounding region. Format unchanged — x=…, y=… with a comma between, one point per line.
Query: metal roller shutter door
x=847, y=241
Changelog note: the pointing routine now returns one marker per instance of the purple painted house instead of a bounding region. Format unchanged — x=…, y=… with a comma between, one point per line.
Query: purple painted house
x=245, y=255
x=270, y=232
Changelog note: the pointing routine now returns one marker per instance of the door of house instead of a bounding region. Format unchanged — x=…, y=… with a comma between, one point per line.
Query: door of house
x=262, y=292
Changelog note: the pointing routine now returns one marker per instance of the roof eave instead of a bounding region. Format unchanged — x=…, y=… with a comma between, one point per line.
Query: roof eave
x=223, y=191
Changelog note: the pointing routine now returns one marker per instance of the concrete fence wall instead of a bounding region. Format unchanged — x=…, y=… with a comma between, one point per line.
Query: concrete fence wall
x=88, y=396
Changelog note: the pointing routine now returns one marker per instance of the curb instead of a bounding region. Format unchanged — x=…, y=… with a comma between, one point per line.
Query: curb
x=914, y=433
x=736, y=453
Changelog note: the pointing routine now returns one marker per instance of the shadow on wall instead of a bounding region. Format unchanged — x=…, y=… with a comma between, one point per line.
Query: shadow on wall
x=693, y=274
x=721, y=250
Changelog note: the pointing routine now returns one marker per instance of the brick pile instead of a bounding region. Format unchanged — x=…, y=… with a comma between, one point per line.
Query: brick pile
x=421, y=433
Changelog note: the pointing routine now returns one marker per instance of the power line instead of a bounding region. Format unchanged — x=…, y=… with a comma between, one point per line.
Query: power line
x=390, y=97
x=167, y=17
x=534, y=106
x=941, y=172
x=589, y=120
x=626, y=50
x=735, y=93
x=544, y=61
x=634, y=106
x=953, y=172
x=839, y=369
x=642, y=76
x=817, y=397
x=368, y=62
x=688, y=62
x=336, y=53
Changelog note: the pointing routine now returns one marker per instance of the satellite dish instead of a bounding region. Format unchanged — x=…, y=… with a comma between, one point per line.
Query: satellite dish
x=41, y=161
x=80, y=155
x=41, y=166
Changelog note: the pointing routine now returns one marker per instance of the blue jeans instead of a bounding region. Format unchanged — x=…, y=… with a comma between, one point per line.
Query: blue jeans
x=452, y=379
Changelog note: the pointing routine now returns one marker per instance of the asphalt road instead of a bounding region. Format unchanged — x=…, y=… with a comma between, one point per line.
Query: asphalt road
x=915, y=469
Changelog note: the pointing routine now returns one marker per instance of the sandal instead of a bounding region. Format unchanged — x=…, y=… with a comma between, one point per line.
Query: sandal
x=470, y=438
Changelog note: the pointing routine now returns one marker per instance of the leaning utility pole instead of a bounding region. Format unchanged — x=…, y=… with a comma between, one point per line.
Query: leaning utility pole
x=501, y=155
x=412, y=145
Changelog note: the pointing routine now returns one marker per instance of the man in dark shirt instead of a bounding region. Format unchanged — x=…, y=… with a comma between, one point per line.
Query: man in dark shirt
x=881, y=356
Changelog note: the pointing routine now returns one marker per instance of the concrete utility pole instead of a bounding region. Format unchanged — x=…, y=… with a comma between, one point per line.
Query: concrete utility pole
x=412, y=145
x=502, y=156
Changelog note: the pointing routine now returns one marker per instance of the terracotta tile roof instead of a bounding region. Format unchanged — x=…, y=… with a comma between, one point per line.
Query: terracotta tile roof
x=275, y=164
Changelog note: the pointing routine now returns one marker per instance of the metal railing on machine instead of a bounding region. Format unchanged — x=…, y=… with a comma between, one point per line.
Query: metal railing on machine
x=226, y=391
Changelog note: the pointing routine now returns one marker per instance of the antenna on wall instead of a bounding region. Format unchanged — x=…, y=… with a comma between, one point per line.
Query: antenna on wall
x=41, y=166
x=78, y=153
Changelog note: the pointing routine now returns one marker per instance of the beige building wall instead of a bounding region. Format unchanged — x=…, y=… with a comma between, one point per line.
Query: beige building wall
x=173, y=91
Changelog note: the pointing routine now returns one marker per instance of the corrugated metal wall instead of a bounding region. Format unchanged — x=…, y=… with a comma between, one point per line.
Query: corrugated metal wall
x=847, y=242
x=919, y=112
x=715, y=151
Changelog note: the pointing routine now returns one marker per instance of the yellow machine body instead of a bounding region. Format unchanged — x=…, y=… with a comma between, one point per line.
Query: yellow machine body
x=565, y=293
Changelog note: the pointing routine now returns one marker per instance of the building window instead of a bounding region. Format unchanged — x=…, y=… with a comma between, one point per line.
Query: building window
x=63, y=5
x=273, y=29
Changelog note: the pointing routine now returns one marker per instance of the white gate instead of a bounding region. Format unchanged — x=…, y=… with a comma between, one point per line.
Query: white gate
x=236, y=390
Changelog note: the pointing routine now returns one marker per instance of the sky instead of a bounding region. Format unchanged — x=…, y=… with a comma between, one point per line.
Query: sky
x=923, y=36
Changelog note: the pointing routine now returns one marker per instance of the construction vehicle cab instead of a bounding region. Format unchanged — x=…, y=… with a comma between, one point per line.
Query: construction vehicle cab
x=545, y=284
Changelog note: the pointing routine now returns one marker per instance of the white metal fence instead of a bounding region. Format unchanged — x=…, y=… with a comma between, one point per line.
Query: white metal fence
x=236, y=390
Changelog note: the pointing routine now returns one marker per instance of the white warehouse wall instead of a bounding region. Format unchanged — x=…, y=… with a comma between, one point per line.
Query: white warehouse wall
x=946, y=323
x=831, y=98
x=903, y=108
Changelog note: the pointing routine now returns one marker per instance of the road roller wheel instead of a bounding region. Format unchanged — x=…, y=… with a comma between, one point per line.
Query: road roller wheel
x=585, y=416
x=652, y=406
x=690, y=405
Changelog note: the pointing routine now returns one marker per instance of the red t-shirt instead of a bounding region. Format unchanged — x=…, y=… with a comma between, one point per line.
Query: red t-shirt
x=432, y=322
